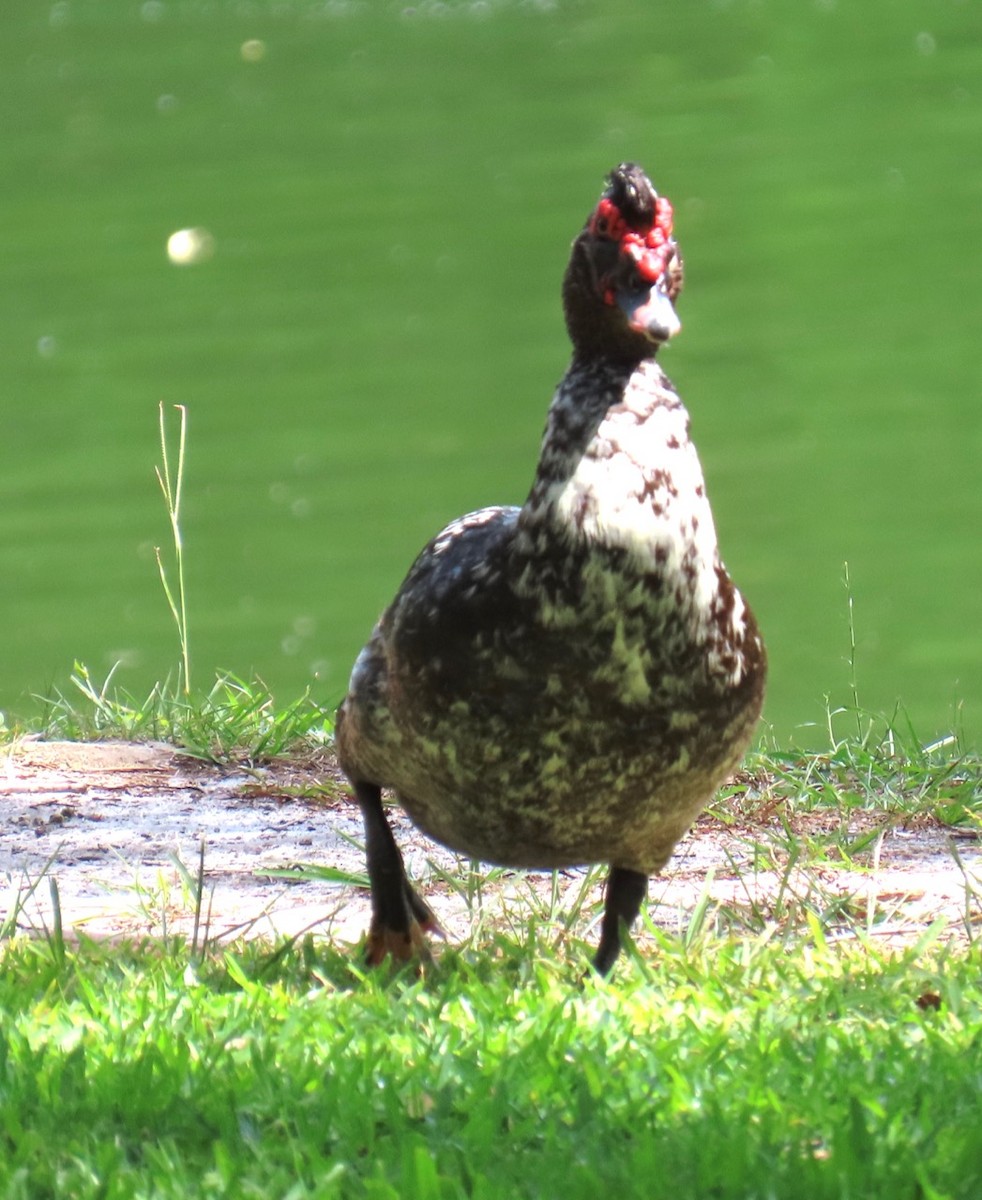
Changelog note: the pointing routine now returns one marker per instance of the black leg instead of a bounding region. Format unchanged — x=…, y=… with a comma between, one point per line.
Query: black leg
x=626, y=891
x=398, y=913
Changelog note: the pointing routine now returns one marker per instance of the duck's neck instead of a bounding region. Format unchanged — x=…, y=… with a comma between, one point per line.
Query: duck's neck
x=588, y=390
x=617, y=470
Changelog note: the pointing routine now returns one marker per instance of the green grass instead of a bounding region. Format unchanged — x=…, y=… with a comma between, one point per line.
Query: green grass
x=236, y=720
x=717, y=1068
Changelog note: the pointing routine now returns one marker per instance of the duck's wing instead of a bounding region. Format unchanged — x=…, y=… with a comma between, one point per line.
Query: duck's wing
x=455, y=607
x=436, y=646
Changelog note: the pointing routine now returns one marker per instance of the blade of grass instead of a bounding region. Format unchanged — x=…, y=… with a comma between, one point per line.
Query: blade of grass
x=171, y=487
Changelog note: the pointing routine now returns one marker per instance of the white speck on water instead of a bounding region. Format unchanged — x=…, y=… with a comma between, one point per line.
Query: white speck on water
x=300, y=507
x=60, y=15
x=166, y=104
x=305, y=627
x=186, y=247
x=336, y=9
x=47, y=346
x=127, y=657
x=153, y=11
x=925, y=42
x=253, y=51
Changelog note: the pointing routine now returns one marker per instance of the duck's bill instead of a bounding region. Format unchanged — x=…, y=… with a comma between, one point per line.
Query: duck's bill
x=650, y=312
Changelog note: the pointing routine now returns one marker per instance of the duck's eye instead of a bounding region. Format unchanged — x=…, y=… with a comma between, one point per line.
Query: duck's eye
x=631, y=279
x=601, y=226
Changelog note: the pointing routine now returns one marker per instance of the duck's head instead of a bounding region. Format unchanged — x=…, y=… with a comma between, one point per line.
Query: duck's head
x=624, y=273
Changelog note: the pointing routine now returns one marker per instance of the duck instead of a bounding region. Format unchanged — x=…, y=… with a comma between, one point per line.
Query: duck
x=569, y=681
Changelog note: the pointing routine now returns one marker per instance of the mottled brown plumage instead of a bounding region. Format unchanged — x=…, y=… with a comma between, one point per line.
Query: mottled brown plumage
x=567, y=682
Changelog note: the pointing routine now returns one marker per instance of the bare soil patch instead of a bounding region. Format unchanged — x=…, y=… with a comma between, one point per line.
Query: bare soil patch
x=110, y=824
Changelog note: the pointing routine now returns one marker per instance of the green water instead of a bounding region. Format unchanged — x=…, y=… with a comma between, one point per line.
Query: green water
x=370, y=351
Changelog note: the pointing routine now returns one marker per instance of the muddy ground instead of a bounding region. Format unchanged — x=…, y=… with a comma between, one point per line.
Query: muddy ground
x=119, y=829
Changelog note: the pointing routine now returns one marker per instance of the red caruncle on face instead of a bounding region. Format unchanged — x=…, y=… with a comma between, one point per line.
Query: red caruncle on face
x=649, y=250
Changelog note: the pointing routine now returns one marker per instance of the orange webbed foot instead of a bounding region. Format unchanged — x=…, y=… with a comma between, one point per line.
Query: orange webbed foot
x=399, y=945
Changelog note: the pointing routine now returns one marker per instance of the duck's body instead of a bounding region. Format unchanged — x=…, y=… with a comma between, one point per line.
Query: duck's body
x=569, y=681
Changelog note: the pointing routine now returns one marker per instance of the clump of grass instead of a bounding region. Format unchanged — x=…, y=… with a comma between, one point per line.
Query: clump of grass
x=21, y=891
x=236, y=720
x=887, y=768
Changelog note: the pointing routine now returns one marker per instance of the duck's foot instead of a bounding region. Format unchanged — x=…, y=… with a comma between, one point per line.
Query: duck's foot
x=400, y=917
x=402, y=947
x=407, y=944
x=626, y=891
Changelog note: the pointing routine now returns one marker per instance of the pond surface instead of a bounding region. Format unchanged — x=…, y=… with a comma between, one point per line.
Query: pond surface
x=371, y=345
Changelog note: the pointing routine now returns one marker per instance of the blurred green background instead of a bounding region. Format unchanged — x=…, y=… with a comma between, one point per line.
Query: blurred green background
x=371, y=348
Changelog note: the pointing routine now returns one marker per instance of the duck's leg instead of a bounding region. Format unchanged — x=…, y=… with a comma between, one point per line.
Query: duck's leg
x=399, y=915
x=626, y=891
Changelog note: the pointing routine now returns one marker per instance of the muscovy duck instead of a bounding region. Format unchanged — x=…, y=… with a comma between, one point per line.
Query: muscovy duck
x=570, y=681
